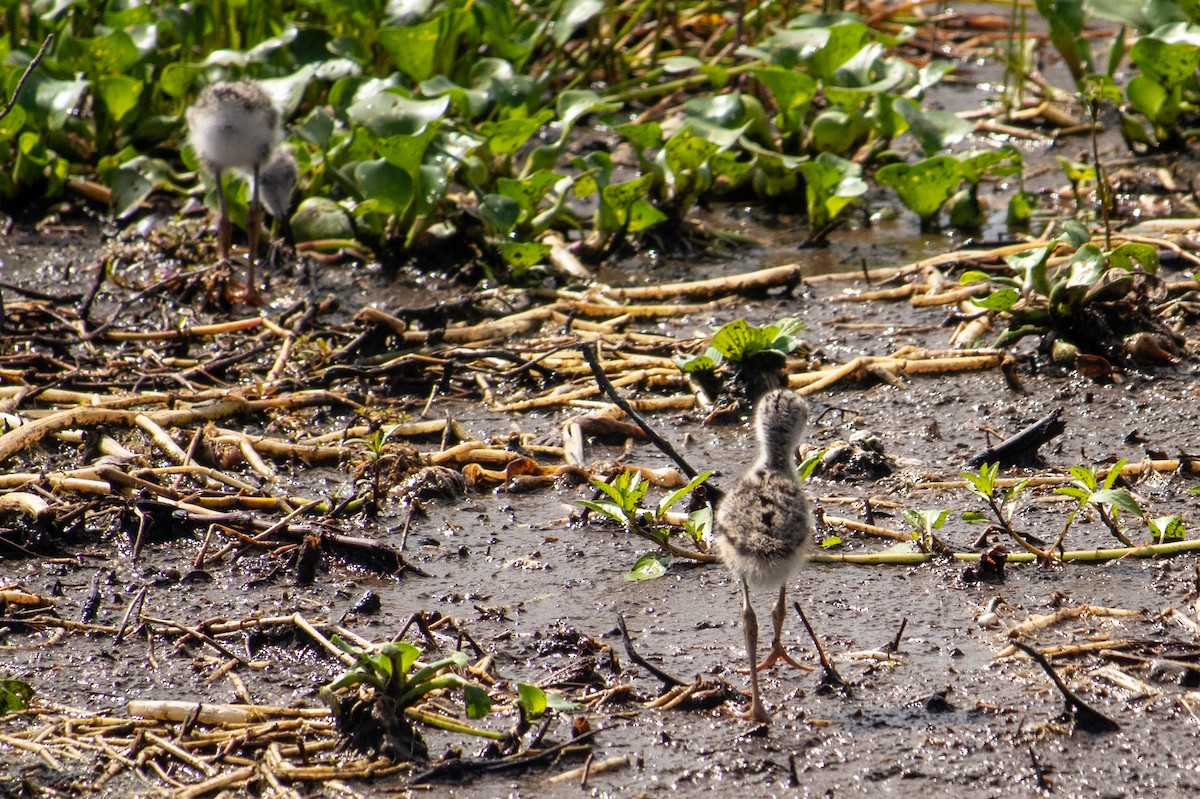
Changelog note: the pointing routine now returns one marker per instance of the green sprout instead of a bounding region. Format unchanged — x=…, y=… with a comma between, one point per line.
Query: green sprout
x=624, y=505
x=399, y=683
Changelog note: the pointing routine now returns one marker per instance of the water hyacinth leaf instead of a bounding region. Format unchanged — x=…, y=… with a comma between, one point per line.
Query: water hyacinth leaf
x=735, y=111
x=1131, y=255
x=1143, y=17
x=288, y=91
x=622, y=196
x=1075, y=233
x=11, y=124
x=1020, y=208
x=49, y=100
x=934, y=130
x=14, y=695
x=1169, y=56
x=469, y=103
x=650, y=566
x=576, y=104
x=176, y=79
x=477, y=701
x=529, y=191
x=1001, y=162
x=1167, y=528
x=735, y=339
x=522, y=255
x=112, y=54
x=413, y=49
x=924, y=186
x=317, y=128
x=1001, y=300
x=321, y=219
x=120, y=95
x=643, y=215
x=500, y=213
x=388, y=114
x=573, y=15
x=129, y=188
x=678, y=64
x=729, y=169
x=792, y=90
x=390, y=188
x=830, y=184
x=643, y=136
x=1076, y=171
x=407, y=152
x=532, y=700
x=708, y=362
x=845, y=40
x=1087, y=266
x=505, y=138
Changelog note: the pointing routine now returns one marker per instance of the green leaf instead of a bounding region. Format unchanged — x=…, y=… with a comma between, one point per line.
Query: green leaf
x=650, y=566
x=14, y=695
x=643, y=215
x=1002, y=300
x=934, y=130
x=413, y=49
x=1169, y=56
x=735, y=338
x=610, y=509
x=120, y=95
x=389, y=114
x=506, y=137
x=1131, y=255
x=974, y=516
x=1152, y=99
x=687, y=152
x=477, y=701
x=830, y=541
x=792, y=90
x=573, y=15
x=521, y=255
x=500, y=213
x=805, y=469
x=1114, y=473
x=924, y=186
x=643, y=136
x=1167, y=528
x=532, y=700
x=388, y=187
x=666, y=502
x=1117, y=497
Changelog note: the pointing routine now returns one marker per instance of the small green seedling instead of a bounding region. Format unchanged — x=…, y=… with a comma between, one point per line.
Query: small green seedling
x=399, y=683
x=922, y=524
x=1089, y=492
x=1001, y=505
x=624, y=505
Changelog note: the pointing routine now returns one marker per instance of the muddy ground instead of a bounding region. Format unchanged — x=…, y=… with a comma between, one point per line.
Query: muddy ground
x=943, y=716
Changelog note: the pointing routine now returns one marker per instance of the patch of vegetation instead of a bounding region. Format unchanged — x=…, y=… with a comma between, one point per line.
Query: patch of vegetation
x=624, y=504
x=1091, y=300
x=460, y=120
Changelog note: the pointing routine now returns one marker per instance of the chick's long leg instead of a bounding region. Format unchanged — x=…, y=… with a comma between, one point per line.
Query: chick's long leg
x=253, y=227
x=224, y=228
x=777, y=651
x=750, y=625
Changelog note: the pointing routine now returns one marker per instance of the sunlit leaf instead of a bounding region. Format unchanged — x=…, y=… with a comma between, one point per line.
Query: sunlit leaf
x=477, y=701
x=650, y=566
x=924, y=186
